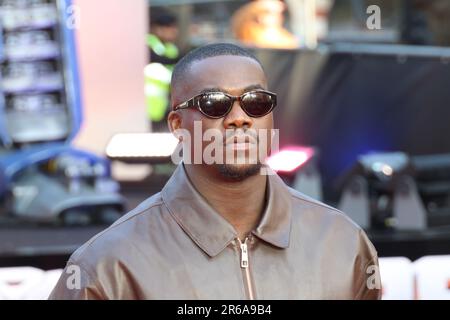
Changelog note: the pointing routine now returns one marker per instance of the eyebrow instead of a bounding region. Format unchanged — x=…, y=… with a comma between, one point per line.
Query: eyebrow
x=246, y=89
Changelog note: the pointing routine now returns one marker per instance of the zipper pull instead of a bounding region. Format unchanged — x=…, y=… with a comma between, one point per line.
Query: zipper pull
x=244, y=254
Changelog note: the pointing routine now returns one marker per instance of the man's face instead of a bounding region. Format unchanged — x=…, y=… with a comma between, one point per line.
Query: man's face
x=233, y=75
x=165, y=33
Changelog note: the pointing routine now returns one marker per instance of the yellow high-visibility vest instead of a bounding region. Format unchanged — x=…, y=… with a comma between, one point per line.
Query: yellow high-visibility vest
x=157, y=79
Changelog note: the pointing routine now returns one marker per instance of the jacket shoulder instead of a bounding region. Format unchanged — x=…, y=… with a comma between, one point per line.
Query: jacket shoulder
x=108, y=255
x=122, y=230
x=305, y=202
x=324, y=218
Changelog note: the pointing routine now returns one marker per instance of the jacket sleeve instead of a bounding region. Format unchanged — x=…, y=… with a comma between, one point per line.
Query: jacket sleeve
x=368, y=284
x=367, y=280
x=76, y=284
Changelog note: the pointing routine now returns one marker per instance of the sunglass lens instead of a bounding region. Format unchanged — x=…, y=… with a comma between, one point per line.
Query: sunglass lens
x=215, y=104
x=258, y=104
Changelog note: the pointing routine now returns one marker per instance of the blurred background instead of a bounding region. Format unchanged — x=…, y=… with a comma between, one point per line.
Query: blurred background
x=363, y=111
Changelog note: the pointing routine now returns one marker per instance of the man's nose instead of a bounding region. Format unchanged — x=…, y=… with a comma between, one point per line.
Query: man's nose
x=237, y=118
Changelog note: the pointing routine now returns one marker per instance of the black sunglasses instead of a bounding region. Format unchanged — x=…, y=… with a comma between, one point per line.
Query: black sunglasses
x=218, y=104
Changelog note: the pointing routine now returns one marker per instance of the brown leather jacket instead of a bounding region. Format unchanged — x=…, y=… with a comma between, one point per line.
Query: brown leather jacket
x=175, y=246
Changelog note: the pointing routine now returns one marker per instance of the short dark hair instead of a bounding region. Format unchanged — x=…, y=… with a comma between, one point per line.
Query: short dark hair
x=208, y=51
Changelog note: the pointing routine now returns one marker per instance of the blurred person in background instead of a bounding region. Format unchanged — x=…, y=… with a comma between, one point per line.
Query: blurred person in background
x=436, y=30
x=163, y=55
x=260, y=24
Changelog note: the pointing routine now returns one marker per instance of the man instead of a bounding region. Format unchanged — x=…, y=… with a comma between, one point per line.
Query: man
x=224, y=230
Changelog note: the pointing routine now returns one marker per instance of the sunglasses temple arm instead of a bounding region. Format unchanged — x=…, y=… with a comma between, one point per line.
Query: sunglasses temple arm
x=185, y=105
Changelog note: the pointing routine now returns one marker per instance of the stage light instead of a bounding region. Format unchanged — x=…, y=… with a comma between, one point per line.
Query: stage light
x=380, y=192
x=432, y=175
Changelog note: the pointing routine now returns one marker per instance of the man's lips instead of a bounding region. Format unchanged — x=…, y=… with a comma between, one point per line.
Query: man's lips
x=240, y=145
x=244, y=139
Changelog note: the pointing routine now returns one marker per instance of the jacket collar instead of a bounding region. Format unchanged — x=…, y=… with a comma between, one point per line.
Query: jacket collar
x=209, y=230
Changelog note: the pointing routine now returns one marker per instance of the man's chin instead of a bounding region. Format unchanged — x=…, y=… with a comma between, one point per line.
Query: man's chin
x=239, y=172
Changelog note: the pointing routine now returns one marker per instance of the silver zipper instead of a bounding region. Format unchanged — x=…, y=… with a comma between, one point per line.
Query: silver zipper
x=244, y=253
x=245, y=266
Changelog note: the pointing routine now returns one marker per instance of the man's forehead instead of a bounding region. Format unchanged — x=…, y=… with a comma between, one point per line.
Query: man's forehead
x=229, y=73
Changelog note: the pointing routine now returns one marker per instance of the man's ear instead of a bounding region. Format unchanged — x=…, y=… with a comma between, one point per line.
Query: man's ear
x=174, y=121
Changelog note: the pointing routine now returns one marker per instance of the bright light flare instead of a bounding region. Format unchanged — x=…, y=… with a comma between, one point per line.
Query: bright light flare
x=290, y=159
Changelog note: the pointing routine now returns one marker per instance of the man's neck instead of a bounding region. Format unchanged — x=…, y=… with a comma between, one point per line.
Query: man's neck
x=241, y=203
